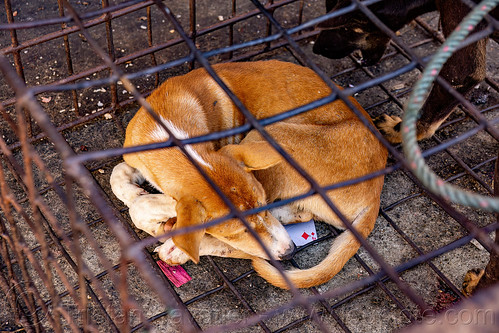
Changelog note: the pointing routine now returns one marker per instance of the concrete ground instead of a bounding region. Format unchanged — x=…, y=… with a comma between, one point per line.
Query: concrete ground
x=380, y=308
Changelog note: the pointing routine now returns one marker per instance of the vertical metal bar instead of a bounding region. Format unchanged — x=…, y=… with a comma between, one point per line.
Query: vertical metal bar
x=77, y=253
x=7, y=284
x=23, y=289
x=269, y=24
x=17, y=57
x=231, y=28
x=111, y=52
x=150, y=43
x=300, y=15
x=69, y=60
x=22, y=179
x=123, y=278
x=192, y=26
x=25, y=292
x=491, y=272
x=6, y=287
x=112, y=55
x=99, y=296
x=123, y=289
x=60, y=234
x=38, y=231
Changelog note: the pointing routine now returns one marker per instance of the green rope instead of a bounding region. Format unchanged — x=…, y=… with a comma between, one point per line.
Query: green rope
x=419, y=94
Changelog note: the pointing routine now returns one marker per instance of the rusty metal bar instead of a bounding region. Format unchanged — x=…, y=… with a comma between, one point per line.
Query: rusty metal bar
x=69, y=59
x=17, y=255
x=66, y=152
x=17, y=55
x=192, y=27
x=150, y=43
x=58, y=233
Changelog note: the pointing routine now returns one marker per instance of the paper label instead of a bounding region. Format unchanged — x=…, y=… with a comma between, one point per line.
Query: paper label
x=176, y=274
x=302, y=233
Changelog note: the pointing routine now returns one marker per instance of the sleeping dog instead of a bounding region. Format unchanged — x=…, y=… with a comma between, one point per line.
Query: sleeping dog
x=329, y=142
x=342, y=35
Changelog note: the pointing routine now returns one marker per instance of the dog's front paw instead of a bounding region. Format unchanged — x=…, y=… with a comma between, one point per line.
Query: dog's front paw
x=153, y=213
x=171, y=254
x=288, y=214
x=471, y=280
x=389, y=126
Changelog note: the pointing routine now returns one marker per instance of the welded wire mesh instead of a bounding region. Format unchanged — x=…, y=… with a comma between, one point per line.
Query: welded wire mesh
x=75, y=72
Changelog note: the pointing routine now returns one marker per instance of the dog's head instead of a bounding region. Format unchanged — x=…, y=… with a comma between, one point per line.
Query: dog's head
x=340, y=36
x=231, y=171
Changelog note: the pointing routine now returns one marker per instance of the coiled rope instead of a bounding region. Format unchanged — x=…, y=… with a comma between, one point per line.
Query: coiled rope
x=420, y=93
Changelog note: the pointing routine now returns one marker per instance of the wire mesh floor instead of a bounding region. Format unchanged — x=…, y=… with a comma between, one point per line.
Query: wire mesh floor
x=67, y=253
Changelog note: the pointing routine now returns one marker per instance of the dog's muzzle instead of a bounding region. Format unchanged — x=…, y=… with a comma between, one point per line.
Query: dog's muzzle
x=289, y=254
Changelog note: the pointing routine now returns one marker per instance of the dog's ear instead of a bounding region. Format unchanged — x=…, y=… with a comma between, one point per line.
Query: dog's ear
x=255, y=155
x=190, y=212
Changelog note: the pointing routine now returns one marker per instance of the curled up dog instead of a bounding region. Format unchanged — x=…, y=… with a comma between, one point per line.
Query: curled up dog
x=329, y=142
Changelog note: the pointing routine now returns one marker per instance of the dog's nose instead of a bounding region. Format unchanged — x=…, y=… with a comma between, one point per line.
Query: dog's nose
x=290, y=252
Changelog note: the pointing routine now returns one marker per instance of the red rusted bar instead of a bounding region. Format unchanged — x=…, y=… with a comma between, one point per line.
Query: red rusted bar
x=17, y=56
x=150, y=43
x=69, y=59
x=38, y=291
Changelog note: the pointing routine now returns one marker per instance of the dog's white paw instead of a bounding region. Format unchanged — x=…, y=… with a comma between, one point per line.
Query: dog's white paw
x=124, y=183
x=150, y=212
x=171, y=254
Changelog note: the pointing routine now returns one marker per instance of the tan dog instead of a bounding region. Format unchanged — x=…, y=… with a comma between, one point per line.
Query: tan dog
x=329, y=142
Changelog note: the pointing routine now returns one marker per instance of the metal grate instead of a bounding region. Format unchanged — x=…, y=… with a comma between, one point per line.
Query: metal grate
x=70, y=259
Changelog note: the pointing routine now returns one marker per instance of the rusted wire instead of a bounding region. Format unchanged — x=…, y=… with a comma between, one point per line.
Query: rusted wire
x=37, y=291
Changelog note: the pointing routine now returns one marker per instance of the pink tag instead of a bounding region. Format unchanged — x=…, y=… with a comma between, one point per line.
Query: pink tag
x=302, y=233
x=176, y=274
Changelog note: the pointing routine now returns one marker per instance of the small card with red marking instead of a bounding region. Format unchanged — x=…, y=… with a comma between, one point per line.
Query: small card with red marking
x=302, y=233
x=176, y=274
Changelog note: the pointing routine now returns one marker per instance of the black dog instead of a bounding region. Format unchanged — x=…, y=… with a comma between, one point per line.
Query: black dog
x=342, y=35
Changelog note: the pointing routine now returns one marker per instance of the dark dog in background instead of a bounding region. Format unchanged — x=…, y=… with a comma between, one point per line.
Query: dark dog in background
x=342, y=35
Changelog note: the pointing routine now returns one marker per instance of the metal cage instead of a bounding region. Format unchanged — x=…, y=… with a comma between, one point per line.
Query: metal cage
x=73, y=74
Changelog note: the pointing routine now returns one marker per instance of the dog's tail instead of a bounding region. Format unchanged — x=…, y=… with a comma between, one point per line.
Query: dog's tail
x=343, y=248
